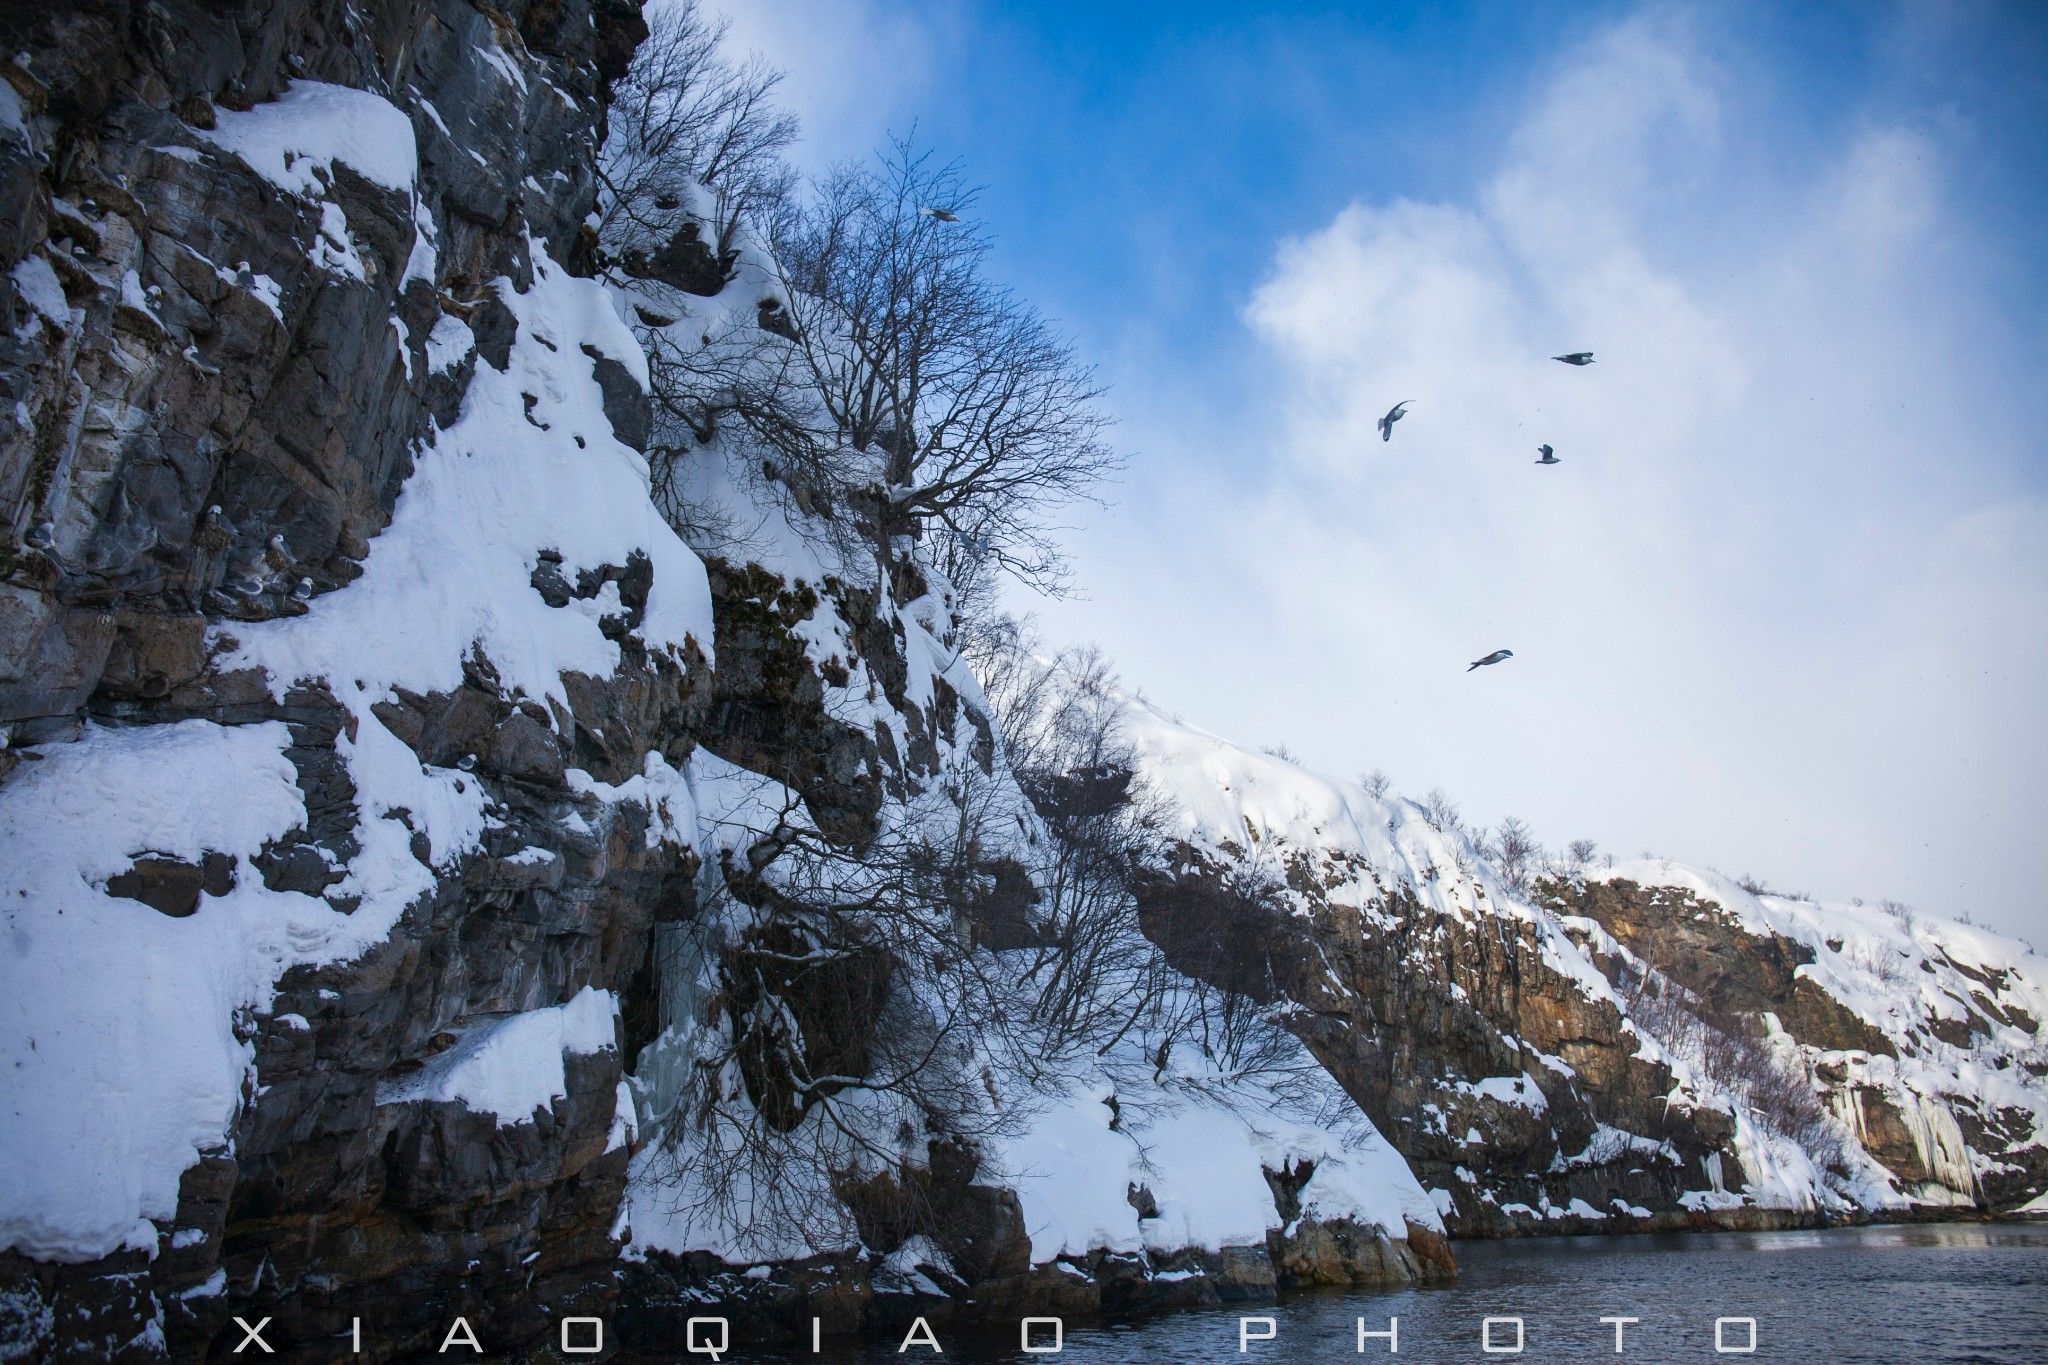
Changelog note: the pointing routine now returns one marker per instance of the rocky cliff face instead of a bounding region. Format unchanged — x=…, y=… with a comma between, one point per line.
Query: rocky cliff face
x=256, y=258
x=1616, y=1048
x=389, y=798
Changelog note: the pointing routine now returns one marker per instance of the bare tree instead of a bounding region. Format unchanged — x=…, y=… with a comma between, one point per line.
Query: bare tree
x=1901, y=915
x=692, y=162
x=1376, y=784
x=1515, y=852
x=943, y=402
x=1580, y=852
x=1441, y=813
x=694, y=141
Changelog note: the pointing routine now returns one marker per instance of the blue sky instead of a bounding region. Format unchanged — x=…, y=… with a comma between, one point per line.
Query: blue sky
x=1783, y=609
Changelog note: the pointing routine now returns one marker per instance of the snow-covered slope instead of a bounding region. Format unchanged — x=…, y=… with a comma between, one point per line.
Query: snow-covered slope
x=1614, y=1046
x=1112, y=1179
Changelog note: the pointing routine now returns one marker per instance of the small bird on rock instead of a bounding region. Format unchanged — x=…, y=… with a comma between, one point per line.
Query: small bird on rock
x=1548, y=457
x=1394, y=414
x=1496, y=657
x=1575, y=358
x=41, y=536
x=942, y=215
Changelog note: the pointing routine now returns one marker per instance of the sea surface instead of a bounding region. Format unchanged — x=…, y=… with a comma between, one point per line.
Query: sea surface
x=1920, y=1293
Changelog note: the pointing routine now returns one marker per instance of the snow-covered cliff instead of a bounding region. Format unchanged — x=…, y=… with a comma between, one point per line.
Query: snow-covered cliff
x=1613, y=1046
x=416, y=859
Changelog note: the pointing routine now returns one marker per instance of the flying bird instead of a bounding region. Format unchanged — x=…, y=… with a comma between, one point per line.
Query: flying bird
x=1394, y=414
x=1575, y=358
x=942, y=215
x=1496, y=657
x=1548, y=456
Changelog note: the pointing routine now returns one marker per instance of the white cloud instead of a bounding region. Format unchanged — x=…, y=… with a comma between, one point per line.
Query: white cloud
x=854, y=69
x=1778, y=610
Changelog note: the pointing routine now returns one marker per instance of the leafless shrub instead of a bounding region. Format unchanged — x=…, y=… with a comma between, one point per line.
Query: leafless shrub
x=1579, y=853
x=856, y=1002
x=1515, y=852
x=1755, y=886
x=1878, y=958
x=1724, y=1052
x=1441, y=813
x=1901, y=915
x=1376, y=784
x=1279, y=751
x=1099, y=981
x=691, y=160
x=686, y=119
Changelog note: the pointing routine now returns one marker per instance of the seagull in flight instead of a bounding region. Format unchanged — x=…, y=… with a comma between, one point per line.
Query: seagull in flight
x=1575, y=358
x=1496, y=657
x=942, y=215
x=1394, y=414
x=1549, y=457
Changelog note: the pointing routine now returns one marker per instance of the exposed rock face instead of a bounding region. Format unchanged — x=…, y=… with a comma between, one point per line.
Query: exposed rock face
x=217, y=392
x=208, y=415
x=1962, y=1145
x=1438, y=1025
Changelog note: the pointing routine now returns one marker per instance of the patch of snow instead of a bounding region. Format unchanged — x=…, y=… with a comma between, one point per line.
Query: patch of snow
x=625, y=1130
x=133, y=296
x=118, y=1024
x=504, y=65
x=514, y=1066
x=40, y=288
x=267, y=290
x=12, y=120
x=1201, y=1144
x=448, y=344
x=1520, y=1091
x=424, y=259
x=312, y=125
x=333, y=249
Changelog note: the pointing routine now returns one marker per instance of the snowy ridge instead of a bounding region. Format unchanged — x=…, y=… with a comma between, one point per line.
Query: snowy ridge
x=1959, y=1007
x=1267, y=811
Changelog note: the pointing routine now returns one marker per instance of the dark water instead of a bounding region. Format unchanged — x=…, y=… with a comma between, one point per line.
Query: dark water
x=1947, y=1292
